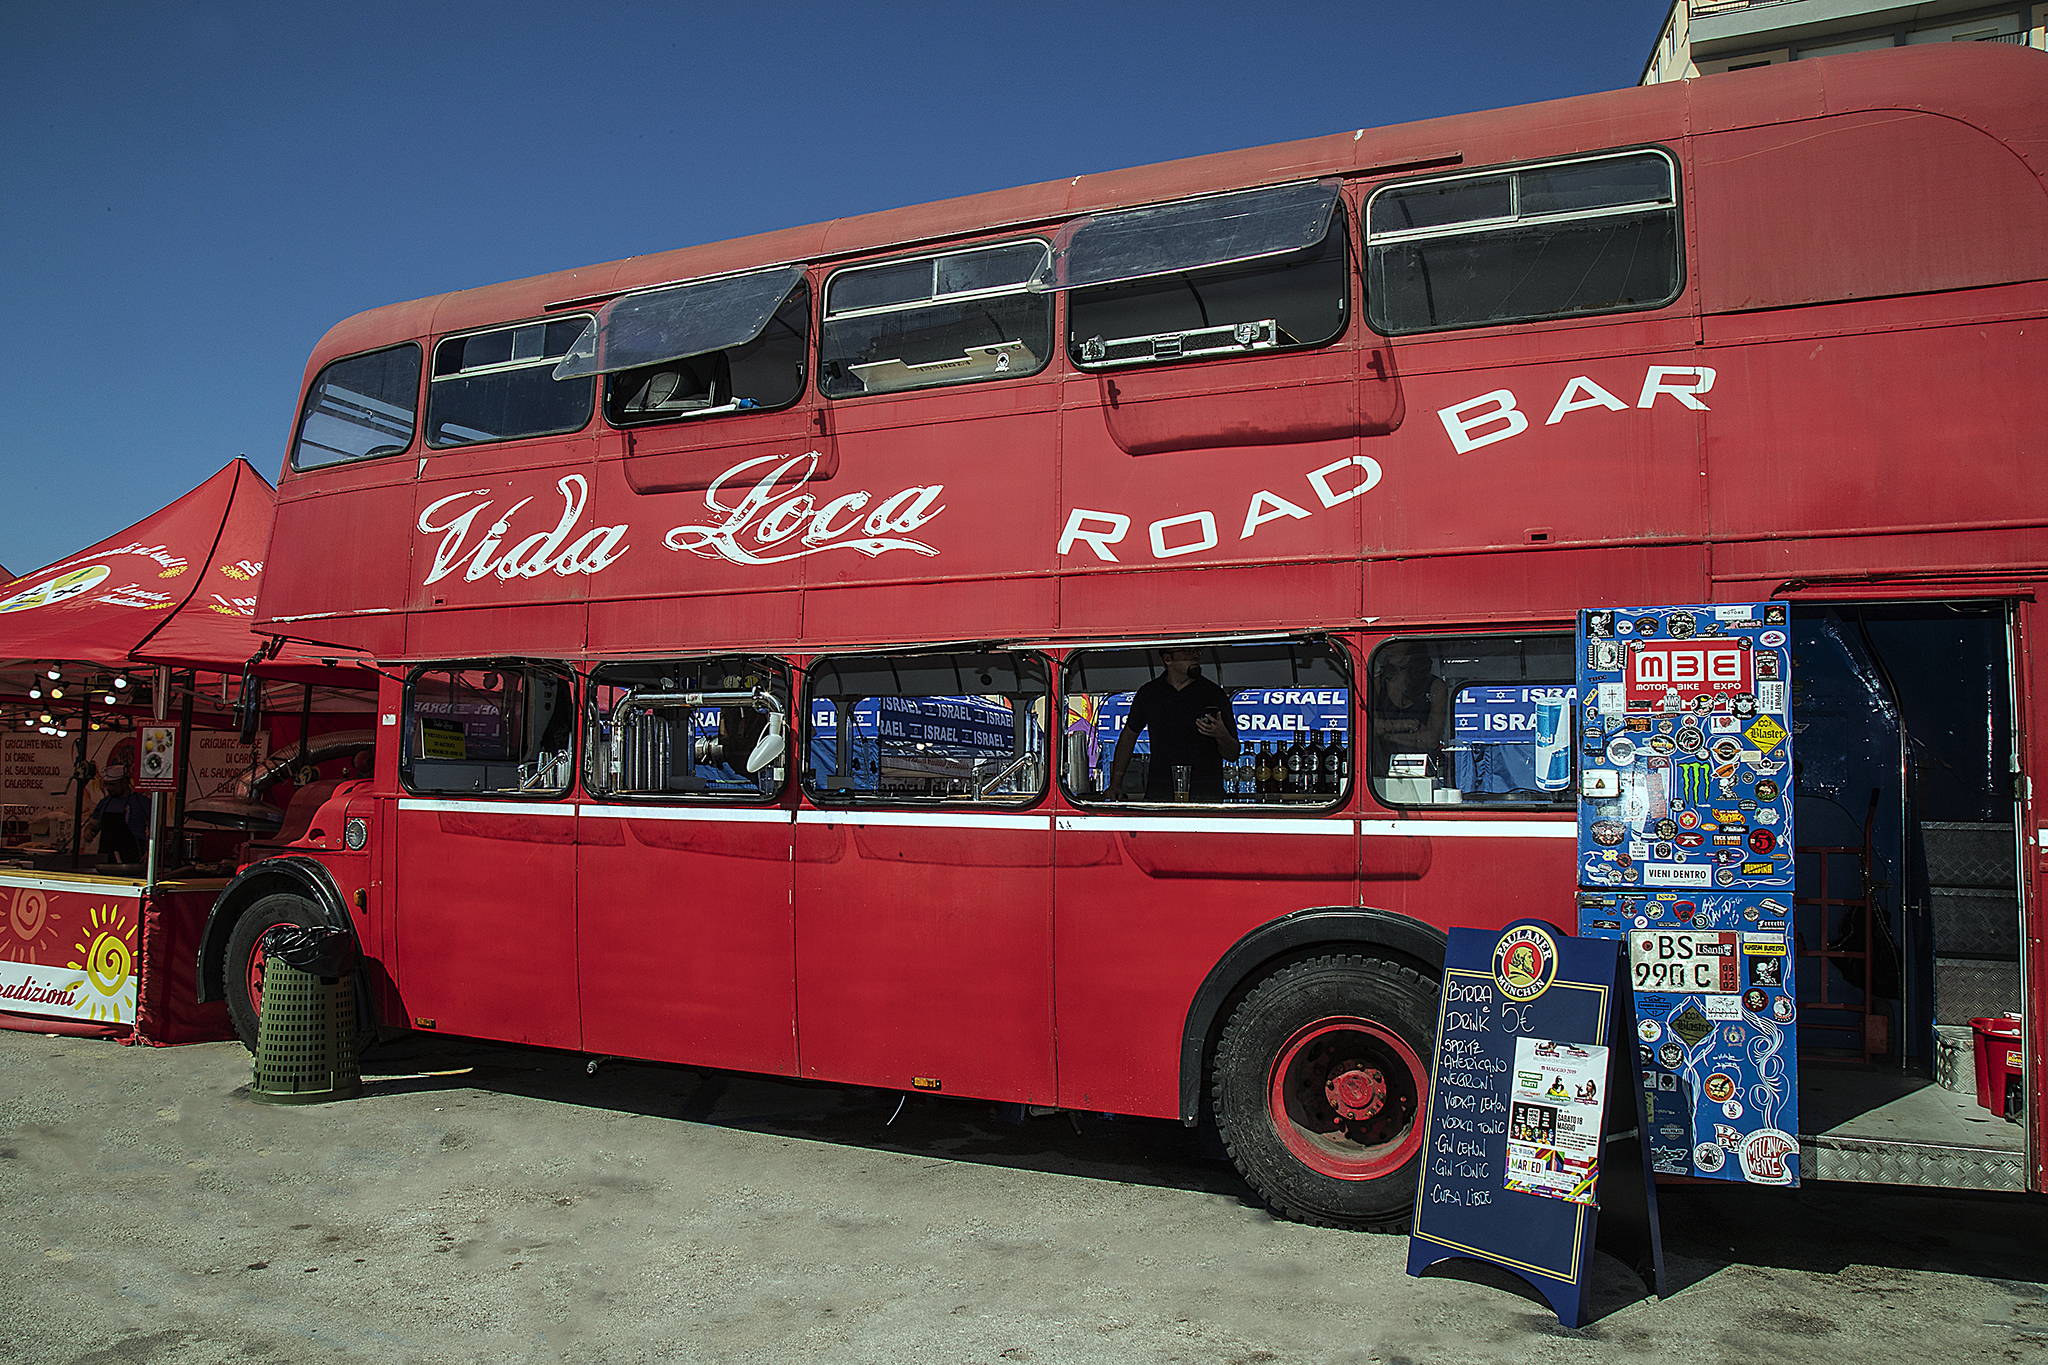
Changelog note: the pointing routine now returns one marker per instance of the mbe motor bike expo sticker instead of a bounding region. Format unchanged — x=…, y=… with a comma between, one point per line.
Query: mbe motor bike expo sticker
x=1685, y=748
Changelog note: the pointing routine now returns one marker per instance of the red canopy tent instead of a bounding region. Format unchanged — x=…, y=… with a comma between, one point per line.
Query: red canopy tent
x=175, y=591
x=177, y=588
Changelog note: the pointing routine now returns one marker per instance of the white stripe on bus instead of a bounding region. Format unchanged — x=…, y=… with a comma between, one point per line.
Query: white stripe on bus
x=1203, y=824
x=922, y=820
x=1475, y=829
x=487, y=807
x=760, y=815
x=1128, y=824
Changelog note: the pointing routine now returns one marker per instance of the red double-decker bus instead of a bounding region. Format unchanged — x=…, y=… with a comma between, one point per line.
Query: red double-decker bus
x=787, y=643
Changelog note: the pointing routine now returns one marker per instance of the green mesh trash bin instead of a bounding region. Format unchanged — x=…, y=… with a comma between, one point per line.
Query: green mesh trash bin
x=305, y=1037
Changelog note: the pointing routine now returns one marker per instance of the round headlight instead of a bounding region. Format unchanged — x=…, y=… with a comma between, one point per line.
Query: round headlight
x=356, y=832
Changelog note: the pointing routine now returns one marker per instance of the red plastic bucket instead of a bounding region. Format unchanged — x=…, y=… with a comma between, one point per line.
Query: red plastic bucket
x=1998, y=1059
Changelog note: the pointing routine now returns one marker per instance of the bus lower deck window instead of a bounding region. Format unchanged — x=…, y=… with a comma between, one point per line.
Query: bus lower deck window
x=1471, y=720
x=1281, y=735
x=966, y=728
x=687, y=729
x=489, y=729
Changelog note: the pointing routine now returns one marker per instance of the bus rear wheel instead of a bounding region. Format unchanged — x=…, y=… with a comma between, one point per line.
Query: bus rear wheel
x=1321, y=1081
x=242, y=967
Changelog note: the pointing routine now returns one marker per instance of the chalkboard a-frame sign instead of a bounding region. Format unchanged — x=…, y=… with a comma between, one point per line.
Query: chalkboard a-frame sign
x=1530, y=981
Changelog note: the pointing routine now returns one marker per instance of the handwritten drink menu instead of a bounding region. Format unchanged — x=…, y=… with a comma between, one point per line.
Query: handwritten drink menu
x=1529, y=999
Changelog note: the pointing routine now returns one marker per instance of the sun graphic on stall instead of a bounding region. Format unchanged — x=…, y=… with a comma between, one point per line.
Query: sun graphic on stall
x=109, y=966
x=28, y=923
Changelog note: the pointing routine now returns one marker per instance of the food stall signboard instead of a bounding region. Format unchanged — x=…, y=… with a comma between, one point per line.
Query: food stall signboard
x=156, y=760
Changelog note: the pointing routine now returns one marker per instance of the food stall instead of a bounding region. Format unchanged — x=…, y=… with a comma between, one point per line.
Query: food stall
x=121, y=668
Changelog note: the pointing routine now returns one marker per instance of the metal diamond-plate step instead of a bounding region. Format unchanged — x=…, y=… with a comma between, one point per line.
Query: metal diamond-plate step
x=1966, y=990
x=1955, y=1058
x=1968, y=853
x=1970, y=921
x=1875, y=1162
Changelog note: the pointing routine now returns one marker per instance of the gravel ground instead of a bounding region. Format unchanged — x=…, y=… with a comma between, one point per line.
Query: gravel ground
x=487, y=1203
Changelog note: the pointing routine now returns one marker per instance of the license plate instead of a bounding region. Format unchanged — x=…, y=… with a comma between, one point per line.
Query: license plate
x=1684, y=960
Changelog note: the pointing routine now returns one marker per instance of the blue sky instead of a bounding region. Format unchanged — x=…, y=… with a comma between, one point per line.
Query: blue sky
x=191, y=193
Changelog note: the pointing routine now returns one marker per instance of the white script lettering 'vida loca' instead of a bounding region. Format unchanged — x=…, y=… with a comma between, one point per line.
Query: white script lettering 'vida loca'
x=772, y=522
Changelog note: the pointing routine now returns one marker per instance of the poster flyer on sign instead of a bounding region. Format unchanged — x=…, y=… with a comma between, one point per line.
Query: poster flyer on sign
x=156, y=760
x=1555, y=1112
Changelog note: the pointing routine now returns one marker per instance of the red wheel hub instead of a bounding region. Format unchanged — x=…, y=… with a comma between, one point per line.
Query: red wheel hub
x=1357, y=1091
x=1346, y=1096
x=255, y=978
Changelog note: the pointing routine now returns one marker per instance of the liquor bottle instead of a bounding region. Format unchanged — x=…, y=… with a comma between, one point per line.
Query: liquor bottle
x=1265, y=769
x=1312, y=764
x=1294, y=757
x=1333, y=765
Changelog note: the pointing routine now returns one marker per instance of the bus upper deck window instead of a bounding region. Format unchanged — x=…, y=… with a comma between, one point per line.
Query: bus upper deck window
x=734, y=343
x=500, y=385
x=948, y=319
x=1592, y=235
x=1211, y=278
x=360, y=408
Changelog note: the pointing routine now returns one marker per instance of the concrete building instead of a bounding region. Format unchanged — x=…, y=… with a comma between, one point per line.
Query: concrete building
x=1702, y=37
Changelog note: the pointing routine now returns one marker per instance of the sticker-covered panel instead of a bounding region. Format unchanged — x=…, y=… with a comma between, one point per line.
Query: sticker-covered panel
x=1715, y=1014
x=1685, y=748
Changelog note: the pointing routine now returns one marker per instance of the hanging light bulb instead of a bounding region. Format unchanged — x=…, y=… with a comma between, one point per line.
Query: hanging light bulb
x=109, y=699
x=57, y=693
x=95, y=725
x=35, y=690
x=56, y=673
x=120, y=680
x=45, y=717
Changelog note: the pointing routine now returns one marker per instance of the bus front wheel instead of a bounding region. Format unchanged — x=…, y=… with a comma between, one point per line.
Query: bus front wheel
x=242, y=967
x=1321, y=1081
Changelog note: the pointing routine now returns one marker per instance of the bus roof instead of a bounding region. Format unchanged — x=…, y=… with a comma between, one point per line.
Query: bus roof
x=1999, y=88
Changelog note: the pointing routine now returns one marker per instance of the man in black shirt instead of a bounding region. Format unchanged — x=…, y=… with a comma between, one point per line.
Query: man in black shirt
x=1192, y=726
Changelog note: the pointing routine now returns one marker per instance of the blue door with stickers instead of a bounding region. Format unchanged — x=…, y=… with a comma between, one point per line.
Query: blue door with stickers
x=1684, y=739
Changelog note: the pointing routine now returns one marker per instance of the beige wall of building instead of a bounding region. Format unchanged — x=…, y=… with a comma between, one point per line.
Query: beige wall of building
x=1703, y=37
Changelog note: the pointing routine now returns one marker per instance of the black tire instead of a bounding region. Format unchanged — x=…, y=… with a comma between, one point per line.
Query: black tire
x=1320, y=1085
x=241, y=965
